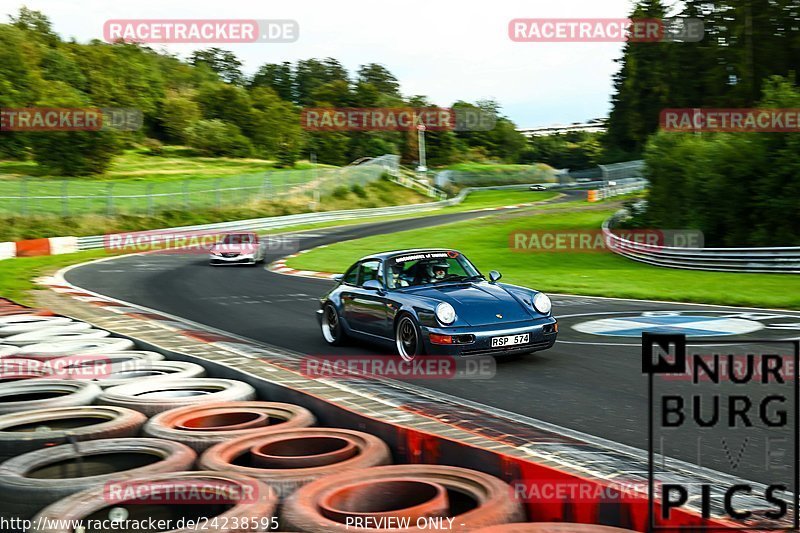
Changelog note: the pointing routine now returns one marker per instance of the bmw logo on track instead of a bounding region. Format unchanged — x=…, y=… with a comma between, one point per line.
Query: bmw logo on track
x=689, y=325
x=626, y=327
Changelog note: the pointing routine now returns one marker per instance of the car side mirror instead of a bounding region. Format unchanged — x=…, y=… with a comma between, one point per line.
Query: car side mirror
x=494, y=275
x=338, y=277
x=373, y=285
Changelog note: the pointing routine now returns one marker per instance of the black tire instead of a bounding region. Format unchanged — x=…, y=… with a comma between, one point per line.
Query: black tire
x=33, y=430
x=158, y=395
x=331, y=326
x=408, y=338
x=67, y=469
x=30, y=394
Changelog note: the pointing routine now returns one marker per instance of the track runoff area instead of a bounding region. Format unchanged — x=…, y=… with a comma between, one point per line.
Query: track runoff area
x=713, y=388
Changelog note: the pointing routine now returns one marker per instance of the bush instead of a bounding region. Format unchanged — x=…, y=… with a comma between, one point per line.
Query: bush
x=75, y=153
x=218, y=138
x=153, y=147
x=340, y=192
x=359, y=191
x=287, y=155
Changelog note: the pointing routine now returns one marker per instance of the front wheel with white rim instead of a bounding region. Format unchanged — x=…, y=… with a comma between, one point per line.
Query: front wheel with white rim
x=332, y=329
x=407, y=339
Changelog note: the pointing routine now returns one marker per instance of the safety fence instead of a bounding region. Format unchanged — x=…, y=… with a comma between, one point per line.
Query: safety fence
x=784, y=259
x=33, y=196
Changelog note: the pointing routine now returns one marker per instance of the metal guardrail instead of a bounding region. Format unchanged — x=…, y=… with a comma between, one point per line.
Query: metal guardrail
x=259, y=224
x=783, y=259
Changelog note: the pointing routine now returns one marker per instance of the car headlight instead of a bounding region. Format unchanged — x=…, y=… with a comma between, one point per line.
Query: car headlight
x=541, y=302
x=445, y=313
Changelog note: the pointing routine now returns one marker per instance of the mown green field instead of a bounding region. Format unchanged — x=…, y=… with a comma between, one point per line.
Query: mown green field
x=486, y=242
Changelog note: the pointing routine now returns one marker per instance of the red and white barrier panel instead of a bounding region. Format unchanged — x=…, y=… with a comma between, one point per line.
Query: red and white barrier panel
x=34, y=247
x=8, y=250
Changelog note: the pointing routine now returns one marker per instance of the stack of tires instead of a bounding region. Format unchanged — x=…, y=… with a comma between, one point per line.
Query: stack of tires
x=93, y=429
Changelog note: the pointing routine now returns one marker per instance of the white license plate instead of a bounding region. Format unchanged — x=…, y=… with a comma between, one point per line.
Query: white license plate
x=511, y=340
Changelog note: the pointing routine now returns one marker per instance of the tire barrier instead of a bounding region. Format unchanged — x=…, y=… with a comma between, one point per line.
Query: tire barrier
x=288, y=459
x=202, y=426
x=117, y=374
x=402, y=495
x=328, y=476
x=12, y=369
x=252, y=514
x=18, y=396
x=16, y=324
x=155, y=396
x=33, y=480
x=61, y=348
x=56, y=334
x=77, y=364
x=33, y=430
x=39, y=330
x=552, y=527
x=6, y=350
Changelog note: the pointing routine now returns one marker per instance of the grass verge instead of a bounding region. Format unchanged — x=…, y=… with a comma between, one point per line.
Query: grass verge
x=486, y=242
x=17, y=275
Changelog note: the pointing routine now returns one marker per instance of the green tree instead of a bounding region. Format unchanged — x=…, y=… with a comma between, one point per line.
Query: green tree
x=218, y=138
x=223, y=62
x=178, y=112
x=277, y=77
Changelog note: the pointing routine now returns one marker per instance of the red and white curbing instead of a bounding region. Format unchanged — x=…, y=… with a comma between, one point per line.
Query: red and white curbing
x=279, y=267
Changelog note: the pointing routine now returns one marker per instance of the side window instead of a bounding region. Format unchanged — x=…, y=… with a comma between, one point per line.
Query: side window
x=351, y=276
x=368, y=270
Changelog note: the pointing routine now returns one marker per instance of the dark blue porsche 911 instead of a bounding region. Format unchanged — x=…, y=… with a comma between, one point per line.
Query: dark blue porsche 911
x=435, y=302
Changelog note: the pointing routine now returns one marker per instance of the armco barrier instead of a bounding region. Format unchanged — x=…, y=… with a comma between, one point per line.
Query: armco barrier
x=784, y=259
x=258, y=224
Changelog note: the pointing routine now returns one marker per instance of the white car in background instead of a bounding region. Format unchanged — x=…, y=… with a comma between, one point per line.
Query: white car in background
x=240, y=248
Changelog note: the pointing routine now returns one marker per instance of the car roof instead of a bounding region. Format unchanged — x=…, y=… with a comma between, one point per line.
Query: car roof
x=386, y=255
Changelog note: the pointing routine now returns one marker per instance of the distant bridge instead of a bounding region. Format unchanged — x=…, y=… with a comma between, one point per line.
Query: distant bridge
x=594, y=125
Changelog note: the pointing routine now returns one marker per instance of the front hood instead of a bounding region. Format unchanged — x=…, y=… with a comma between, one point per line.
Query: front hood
x=477, y=304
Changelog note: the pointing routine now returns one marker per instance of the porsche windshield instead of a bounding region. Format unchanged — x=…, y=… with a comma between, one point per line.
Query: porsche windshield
x=429, y=267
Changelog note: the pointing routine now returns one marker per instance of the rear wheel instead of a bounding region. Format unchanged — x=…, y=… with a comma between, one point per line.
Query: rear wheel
x=332, y=329
x=408, y=339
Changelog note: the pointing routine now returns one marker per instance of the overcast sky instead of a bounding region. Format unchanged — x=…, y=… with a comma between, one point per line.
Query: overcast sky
x=445, y=49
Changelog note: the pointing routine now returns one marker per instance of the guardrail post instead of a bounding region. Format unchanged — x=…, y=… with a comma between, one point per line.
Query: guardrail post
x=266, y=187
x=150, y=207
x=23, y=193
x=110, y=199
x=65, y=198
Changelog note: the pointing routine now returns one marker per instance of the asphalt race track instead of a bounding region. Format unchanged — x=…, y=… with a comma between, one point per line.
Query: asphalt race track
x=591, y=381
